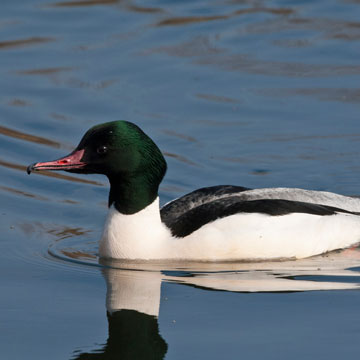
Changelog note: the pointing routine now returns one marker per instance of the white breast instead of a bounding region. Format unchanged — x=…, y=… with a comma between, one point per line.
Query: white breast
x=137, y=236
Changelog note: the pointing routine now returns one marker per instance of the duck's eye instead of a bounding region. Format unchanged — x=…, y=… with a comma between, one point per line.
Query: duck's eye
x=101, y=150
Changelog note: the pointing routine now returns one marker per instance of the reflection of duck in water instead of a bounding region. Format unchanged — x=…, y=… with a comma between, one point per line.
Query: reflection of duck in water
x=216, y=223
x=133, y=296
x=132, y=303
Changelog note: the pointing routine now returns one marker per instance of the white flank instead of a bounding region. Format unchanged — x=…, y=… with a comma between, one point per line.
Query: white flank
x=258, y=236
x=245, y=236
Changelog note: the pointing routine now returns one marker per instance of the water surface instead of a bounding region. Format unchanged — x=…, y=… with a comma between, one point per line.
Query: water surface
x=251, y=93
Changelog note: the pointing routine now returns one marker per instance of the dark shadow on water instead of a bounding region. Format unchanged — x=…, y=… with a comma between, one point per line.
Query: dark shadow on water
x=28, y=137
x=176, y=21
x=85, y=3
x=44, y=71
x=23, y=193
x=132, y=335
x=19, y=43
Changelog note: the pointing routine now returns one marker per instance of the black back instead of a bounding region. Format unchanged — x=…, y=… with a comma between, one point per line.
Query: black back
x=173, y=210
x=192, y=211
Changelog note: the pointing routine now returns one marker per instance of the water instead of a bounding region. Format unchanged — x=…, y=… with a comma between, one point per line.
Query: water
x=252, y=93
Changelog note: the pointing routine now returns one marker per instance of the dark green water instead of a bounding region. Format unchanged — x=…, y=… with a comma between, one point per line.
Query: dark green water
x=251, y=93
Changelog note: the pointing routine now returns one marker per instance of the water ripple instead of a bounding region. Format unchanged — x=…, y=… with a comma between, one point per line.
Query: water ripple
x=332, y=271
x=28, y=137
x=19, y=43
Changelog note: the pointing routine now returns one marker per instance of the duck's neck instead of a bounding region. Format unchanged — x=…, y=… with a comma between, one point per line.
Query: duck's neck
x=131, y=194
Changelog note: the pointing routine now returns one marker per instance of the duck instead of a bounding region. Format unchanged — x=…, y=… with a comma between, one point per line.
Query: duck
x=216, y=223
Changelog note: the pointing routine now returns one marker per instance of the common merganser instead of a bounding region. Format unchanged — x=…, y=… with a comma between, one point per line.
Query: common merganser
x=210, y=224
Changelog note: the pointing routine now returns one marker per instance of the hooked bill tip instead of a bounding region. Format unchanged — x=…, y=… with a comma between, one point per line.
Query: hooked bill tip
x=30, y=168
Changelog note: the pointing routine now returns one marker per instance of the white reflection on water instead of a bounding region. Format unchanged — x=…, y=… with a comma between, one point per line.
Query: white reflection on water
x=133, y=297
x=332, y=271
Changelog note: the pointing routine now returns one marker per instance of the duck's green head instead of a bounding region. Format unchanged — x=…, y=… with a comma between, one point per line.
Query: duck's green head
x=125, y=154
x=120, y=147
